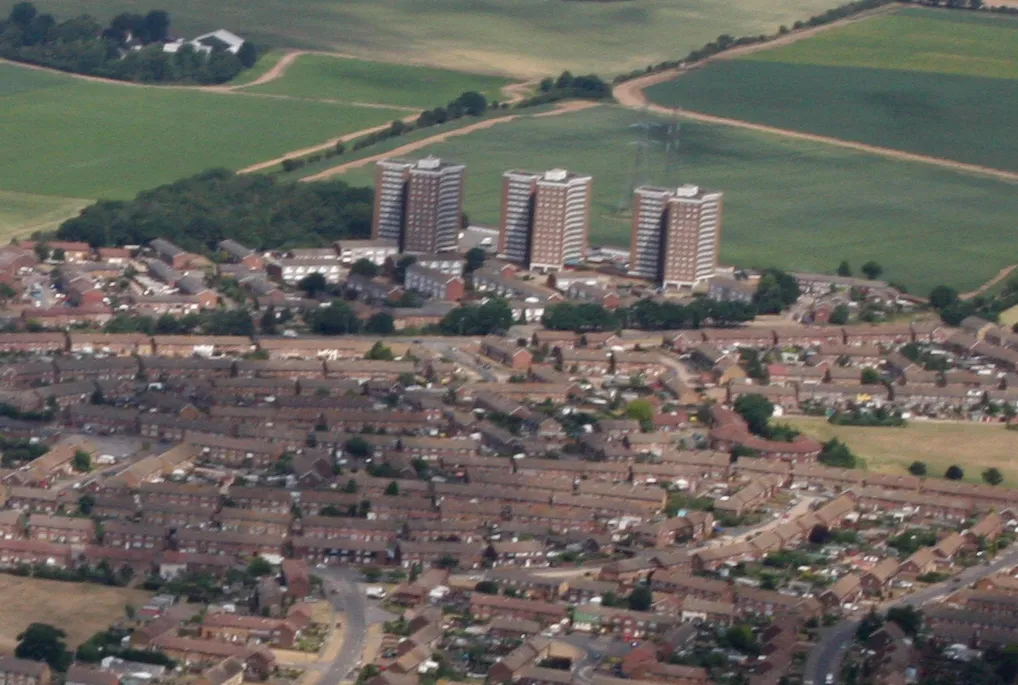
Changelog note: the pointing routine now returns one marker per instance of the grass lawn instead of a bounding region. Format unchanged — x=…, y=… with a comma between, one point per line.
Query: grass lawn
x=916, y=80
x=22, y=213
x=355, y=80
x=67, y=137
x=793, y=204
x=79, y=609
x=513, y=37
x=972, y=446
x=1009, y=317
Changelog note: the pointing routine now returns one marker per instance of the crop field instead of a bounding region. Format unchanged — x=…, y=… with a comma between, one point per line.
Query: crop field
x=23, y=213
x=77, y=139
x=788, y=203
x=356, y=80
x=973, y=446
x=939, y=83
x=511, y=37
x=75, y=608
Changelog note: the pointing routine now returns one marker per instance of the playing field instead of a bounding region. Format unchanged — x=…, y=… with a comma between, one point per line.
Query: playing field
x=793, y=204
x=78, y=609
x=355, y=80
x=72, y=138
x=972, y=446
x=940, y=83
x=516, y=37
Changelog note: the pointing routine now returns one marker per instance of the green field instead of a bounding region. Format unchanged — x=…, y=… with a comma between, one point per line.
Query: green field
x=939, y=83
x=913, y=39
x=355, y=80
x=22, y=213
x=515, y=37
x=72, y=138
x=792, y=204
x=973, y=446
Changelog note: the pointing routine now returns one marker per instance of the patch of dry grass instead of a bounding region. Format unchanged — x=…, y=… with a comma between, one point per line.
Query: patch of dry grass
x=972, y=446
x=78, y=609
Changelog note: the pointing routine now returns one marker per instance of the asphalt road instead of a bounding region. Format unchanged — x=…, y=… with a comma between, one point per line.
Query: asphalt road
x=347, y=598
x=594, y=648
x=469, y=362
x=826, y=656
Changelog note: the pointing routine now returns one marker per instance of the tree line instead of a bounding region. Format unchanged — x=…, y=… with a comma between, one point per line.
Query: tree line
x=647, y=315
x=468, y=104
x=726, y=42
x=584, y=87
x=200, y=211
x=946, y=301
x=129, y=48
x=775, y=292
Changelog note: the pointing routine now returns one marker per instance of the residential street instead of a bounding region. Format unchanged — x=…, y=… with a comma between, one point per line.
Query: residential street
x=348, y=600
x=826, y=656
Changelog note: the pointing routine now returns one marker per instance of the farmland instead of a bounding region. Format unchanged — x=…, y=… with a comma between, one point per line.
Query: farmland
x=76, y=609
x=511, y=37
x=975, y=447
x=72, y=138
x=22, y=213
x=933, y=82
x=354, y=80
x=788, y=203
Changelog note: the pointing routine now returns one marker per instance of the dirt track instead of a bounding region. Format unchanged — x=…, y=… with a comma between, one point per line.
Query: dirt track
x=409, y=147
x=321, y=146
x=561, y=108
x=277, y=71
x=631, y=94
x=1001, y=275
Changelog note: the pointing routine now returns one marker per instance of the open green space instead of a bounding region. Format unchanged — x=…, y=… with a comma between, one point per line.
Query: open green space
x=974, y=447
x=916, y=80
x=23, y=213
x=356, y=80
x=73, y=138
x=514, y=37
x=788, y=203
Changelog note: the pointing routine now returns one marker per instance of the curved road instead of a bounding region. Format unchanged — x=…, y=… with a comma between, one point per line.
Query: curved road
x=825, y=658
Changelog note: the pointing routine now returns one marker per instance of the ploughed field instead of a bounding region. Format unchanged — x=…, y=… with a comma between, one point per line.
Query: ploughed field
x=528, y=38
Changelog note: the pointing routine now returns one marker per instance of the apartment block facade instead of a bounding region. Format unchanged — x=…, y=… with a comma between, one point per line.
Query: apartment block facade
x=545, y=218
x=676, y=235
x=418, y=204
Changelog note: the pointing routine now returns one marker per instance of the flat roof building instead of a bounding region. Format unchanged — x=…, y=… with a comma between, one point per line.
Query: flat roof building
x=545, y=218
x=418, y=203
x=676, y=235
